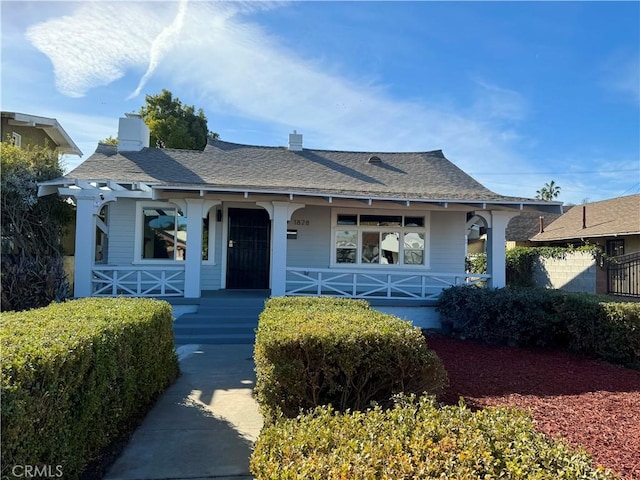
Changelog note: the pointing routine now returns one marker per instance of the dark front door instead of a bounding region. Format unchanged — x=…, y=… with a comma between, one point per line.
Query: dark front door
x=248, y=249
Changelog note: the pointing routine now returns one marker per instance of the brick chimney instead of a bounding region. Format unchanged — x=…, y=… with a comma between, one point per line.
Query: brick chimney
x=133, y=133
x=295, y=141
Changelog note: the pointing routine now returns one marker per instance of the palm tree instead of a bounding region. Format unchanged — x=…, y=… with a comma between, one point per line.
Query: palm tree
x=548, y=192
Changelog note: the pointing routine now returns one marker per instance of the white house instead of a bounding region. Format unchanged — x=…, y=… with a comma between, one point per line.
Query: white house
x=297, y=221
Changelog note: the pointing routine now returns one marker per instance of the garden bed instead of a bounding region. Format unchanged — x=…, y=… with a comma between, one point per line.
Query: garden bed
x=589, y=403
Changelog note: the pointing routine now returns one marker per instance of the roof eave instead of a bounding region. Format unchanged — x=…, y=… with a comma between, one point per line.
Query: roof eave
x=513, y=204
x=50, y=126
x=586, y=235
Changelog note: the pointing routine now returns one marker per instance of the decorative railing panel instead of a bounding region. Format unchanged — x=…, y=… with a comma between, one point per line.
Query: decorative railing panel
x=371, y=284
x=138, y=281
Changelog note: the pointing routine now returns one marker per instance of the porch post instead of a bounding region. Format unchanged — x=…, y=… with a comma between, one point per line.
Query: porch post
x=85, y=245
x=280, y=214
x=496, y=248
x=279, y=249
x=193, y=261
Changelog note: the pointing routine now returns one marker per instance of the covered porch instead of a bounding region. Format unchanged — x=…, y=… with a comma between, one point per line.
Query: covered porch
x=305, y=251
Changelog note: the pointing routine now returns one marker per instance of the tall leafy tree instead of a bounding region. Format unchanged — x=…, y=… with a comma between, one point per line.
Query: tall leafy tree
x=32, y=227
x=174, y=125
x=549, y=191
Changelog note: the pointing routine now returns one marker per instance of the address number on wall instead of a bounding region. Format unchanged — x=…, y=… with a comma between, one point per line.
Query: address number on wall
x=304, y=223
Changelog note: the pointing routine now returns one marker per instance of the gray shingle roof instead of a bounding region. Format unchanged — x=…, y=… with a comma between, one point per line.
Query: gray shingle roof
x=423, y=175
x=527, y=225
x=617, y=216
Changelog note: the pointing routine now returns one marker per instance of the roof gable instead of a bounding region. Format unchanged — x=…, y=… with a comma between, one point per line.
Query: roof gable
x=49, y=125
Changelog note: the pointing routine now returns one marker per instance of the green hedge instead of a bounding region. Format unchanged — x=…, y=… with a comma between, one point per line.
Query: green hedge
x=75, y=376
x=415, y=439
x=535, y=317
x=320, y=351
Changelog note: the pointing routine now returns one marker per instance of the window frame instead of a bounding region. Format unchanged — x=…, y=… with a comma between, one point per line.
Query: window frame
x=16, y=138
x=361, y=229
x=615, y=244
x=139, y=225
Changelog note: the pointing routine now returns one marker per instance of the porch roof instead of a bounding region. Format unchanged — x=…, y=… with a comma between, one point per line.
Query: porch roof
x=227, y=167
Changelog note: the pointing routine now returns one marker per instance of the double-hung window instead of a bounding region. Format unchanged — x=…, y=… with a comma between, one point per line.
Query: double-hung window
x=380, y=239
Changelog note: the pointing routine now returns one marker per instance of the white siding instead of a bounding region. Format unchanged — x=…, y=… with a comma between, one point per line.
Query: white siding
x=312, y=248
x=447, y=241
x=122, y=225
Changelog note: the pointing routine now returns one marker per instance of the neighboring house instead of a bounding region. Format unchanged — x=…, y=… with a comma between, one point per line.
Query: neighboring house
x=614, y=226
x=22, y=130
x=524, y=227
x=168, y=222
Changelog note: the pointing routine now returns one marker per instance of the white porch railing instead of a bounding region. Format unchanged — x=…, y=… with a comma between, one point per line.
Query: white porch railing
x=142, y=281
x=372, y=284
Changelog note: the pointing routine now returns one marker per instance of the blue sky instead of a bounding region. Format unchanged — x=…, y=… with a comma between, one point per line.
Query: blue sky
x=515, y=93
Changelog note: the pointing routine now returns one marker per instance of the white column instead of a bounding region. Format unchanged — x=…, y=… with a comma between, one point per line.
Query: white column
x=193, y=262
x=496, y=248
x=85, y=245
x=279, y=248
x=280, y=214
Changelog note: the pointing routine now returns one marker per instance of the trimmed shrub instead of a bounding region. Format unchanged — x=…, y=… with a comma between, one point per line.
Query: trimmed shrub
x=320, y=351
x=79, y=374
x=532, y=317
x=415, y=439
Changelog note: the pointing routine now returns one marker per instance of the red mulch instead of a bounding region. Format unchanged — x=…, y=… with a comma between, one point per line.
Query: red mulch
x=589, y=403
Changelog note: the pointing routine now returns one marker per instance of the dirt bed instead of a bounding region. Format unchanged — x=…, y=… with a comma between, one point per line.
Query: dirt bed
x=587, y=402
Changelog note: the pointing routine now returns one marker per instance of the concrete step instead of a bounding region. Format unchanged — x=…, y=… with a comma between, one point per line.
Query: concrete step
x=223, y=317
x=205, y=330
x=215, y=339
x=216, y=319
x=236, y=313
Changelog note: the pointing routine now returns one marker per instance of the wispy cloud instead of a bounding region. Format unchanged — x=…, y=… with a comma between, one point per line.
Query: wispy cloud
x=97, y=44
x=161, y=45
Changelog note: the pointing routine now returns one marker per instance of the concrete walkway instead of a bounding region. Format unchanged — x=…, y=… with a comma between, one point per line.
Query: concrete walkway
x=203, y=426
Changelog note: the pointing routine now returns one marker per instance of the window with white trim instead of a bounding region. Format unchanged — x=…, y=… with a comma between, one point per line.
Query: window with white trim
x=16, y=139
x=380, y=239
x=162, y=233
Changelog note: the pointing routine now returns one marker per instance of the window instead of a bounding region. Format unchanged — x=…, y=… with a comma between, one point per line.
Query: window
x=209, y=235
x=379, y=239
x=165, y=233
x=16, y=139
x=615, y=248
x=102, y=238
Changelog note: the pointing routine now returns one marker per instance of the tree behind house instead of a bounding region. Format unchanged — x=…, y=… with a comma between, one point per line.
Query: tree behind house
x=174, y=125
x=548, y=192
